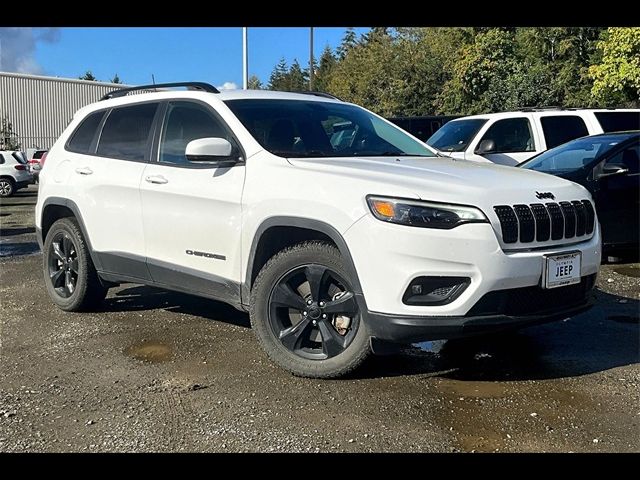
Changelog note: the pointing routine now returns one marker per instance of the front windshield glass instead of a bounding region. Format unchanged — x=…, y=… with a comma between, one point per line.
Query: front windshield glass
x=454, y=136
x=573, y=155
x=298, y=128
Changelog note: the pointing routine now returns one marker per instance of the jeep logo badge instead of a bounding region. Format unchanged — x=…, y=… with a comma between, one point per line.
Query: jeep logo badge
x=542, y=195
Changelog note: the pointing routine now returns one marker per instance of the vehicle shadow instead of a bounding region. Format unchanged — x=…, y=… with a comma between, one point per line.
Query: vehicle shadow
x=605, y=337
x=140, y=298
x=8, y=232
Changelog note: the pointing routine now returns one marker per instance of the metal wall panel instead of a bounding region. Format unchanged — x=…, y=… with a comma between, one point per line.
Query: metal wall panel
x=40, y=107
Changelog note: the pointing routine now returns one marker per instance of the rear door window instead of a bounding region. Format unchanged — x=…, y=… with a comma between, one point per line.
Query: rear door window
x=618, y=121
x=82, y=139
x=559, y=129
x=126, y=133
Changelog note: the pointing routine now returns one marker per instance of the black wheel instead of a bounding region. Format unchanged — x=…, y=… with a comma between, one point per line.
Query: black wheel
x=305, y=314
x=7, y=187
x=69, y=273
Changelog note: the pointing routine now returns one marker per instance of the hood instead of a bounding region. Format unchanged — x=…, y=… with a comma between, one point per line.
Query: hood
x=449, y=180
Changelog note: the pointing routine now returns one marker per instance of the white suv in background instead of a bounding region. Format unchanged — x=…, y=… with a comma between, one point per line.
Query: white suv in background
x=14, y=172
x=509, y=138
x=331, y=246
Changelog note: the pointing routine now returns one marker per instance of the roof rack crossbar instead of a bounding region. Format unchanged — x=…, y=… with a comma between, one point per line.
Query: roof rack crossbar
x=319, y=94
x=202, y=86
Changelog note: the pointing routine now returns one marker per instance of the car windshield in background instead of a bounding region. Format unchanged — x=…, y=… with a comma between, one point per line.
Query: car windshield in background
x=297, y=128
x=573, y=155
x=454, y=136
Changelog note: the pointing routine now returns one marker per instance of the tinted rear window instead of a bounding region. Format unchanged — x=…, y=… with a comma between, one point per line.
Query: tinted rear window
x=559, y=129
x=126, y=132
x=83, y=136
x=618, y=121
x=38, y=154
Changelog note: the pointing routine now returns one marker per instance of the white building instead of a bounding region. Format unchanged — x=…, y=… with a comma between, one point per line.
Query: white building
x=39, y=108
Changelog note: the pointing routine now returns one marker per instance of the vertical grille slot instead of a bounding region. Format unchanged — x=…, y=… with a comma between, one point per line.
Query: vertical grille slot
x=581, y=218
x=591, y=216
x=557, y=221
x=543, y=222
x=527, y=225
x=508, y=223
x=569, y=219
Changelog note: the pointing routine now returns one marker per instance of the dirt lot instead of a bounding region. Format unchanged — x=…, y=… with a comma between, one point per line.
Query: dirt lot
x=158, y=371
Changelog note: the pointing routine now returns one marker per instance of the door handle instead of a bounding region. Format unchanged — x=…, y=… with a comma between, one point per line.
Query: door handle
x=157, y=179
x=84, y=171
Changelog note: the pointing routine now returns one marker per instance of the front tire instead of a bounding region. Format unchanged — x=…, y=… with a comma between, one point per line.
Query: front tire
x=7, y=187
x=69, y=273
x=305, y=314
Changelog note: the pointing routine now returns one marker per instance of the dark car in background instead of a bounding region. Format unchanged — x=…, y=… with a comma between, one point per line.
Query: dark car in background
x=608, y=165
x=422, y=127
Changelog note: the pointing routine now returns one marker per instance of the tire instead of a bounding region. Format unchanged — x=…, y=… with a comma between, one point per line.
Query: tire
x=87, y=292
x=313, y=350
x=7, y=187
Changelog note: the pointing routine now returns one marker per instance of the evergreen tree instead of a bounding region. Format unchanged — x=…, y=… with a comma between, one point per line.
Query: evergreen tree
x=349, y=41
x=88, y=76
x=116, y=79
x=298, y=78
x=278, y=79
x=254, y=83
x=325, y=68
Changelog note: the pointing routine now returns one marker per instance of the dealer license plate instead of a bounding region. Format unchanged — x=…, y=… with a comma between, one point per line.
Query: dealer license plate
x=561, y=270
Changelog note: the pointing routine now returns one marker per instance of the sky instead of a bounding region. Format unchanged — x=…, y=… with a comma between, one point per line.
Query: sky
x=211, y=55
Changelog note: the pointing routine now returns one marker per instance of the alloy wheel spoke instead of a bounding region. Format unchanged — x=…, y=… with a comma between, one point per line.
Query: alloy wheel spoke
x=345, y=304
x=56, y=278
x=332, y=341
x=315, y=275
x=285, y=296
x=74, y=265
x=68, y=280
x=58, y=252
x=66, y=245
x=292, y=336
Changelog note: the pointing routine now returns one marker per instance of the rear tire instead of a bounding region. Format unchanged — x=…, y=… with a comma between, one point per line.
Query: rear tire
x=300, y=303
x=7, y=187
x=69, y=273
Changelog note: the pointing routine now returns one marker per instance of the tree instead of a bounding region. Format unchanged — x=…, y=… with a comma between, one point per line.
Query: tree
x=8, y=138
x=88, y=76
x=116, y=79
x=324, y=70
x=298, y=78
x=254, y=83
x=278, y=78
x=349, y=41
x=617, y=76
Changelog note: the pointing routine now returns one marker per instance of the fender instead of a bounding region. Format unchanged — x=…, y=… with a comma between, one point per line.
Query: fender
x=71, y=205
x=309, y=224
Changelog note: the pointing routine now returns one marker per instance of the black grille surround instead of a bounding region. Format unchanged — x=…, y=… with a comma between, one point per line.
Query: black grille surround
x=555, y=221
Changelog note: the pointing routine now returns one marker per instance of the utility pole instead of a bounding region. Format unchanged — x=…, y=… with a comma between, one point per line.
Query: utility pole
x=245, y=60
x=311, y=72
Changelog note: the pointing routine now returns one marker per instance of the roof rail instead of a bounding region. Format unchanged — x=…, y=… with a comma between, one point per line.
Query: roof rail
x=319, y=94
x=202, y=86
x=540, y=109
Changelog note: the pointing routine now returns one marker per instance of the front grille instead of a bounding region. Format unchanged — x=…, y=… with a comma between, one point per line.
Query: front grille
x=523, y=223
x=533, y=300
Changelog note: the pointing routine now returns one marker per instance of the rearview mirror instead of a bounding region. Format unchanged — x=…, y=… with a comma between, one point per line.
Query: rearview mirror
x=210, y=149
x=614, y=169
x=486, y=146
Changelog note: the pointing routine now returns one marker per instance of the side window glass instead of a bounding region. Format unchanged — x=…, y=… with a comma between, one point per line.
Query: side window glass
x=559, y=129
x=82, y=138
x=629, y=157
x=126, y=132
x=184, y=122
x=511, y=135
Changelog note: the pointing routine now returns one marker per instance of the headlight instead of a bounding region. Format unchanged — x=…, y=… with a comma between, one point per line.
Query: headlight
x=423, y=214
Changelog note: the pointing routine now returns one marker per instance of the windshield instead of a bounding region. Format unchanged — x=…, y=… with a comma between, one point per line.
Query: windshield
x=454, y=136
x=298, y=128
x=573, y=155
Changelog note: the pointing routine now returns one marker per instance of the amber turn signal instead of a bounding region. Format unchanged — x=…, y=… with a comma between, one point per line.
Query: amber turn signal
x=386, y=209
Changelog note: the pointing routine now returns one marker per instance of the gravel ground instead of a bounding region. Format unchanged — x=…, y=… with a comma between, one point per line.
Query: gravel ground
x=160, y=371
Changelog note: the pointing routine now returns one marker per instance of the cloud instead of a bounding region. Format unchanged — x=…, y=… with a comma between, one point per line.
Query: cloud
x=228, y=86
x=18, y=45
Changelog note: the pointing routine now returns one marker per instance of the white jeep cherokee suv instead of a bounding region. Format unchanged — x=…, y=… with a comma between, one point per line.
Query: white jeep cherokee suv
x=334, y=228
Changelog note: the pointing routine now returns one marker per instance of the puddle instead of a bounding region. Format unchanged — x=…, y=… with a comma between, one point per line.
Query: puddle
x=624, y=318
x=472, y=389
x=629, y=271
x=151, y=352
x=15, y=249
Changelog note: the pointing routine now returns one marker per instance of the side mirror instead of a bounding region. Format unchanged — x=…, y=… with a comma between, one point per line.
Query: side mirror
x=211, y=150
x=486, y=146
x=614, y=169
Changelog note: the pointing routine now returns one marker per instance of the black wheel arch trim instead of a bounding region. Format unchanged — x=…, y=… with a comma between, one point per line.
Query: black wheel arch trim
x=308, y=224
x=71, y=205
